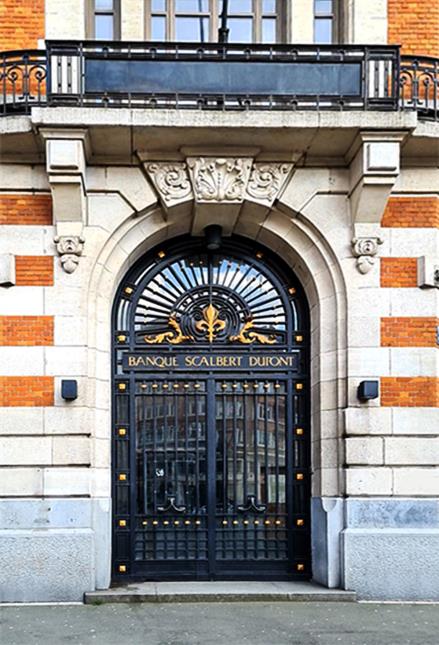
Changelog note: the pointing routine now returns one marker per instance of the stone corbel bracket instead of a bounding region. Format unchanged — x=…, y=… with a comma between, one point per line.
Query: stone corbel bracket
x=374, y=161
x=66, y=155
x=365, y=249
x=217, y=187
x=69, y=249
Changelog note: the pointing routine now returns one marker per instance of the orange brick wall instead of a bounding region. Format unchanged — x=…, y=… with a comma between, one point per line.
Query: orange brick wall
x=419, y=391
x=29, y=391
x=26, y=330
x=399, y=272
x=417, y=212
x=409, y=332
x=21, y=23
x=26, y=209
x=34, y=270
x=414, y=24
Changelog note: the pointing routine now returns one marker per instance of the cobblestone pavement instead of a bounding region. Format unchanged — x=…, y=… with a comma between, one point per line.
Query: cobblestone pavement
x=257, y=623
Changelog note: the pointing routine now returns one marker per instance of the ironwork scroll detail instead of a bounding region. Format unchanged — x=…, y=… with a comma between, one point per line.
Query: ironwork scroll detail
x=212, y=324
x=247, y=337
x=174, y=337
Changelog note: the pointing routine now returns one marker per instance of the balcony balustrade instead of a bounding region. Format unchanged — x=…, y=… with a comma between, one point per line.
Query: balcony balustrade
x=212, y=76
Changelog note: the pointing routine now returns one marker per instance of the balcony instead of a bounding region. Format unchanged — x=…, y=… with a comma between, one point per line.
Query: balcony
x=218, y=77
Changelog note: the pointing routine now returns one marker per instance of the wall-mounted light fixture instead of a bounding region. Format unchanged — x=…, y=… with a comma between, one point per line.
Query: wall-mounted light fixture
x=69, y=390
x=368, y=390
x=213, y=234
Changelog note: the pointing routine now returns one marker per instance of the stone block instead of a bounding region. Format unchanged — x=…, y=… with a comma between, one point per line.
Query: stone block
x=369, y=481
x=411, y=451
x=327, y=523
x=66, y=361
x=367, y=421
x=369, y=363
x=364, y=451
x=21, y=421
x=25, y=451
x=392, y=513
x=416, y=481
x=392, y=564
x=66, y=481
x=25, y=301
x=413, y=361
x=415, y=421
x=56, y=565
x=66, y=419
x=71, y=451
x=21, y=482
x=22, y=361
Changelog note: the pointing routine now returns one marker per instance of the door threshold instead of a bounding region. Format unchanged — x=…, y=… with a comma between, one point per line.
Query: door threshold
x=219, y=591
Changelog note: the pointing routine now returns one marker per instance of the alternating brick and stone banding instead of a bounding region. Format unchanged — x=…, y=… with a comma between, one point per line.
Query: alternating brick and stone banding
x=21, y=24
x=411, y=212
x=34, y=270
x=419, y=391
x=26, y=210
x=414, y=25
x=409, y=332
x=25, y=391
x=399, y=272
x=26, y=330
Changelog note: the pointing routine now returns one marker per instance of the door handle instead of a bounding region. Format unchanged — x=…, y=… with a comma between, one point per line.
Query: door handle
x=171, y=506
x=251, y=505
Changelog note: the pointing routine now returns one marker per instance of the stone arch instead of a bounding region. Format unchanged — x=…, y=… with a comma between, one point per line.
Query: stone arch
x=310, y=255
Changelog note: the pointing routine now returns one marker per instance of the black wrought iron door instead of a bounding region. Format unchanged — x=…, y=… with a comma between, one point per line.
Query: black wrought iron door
x=211, y=431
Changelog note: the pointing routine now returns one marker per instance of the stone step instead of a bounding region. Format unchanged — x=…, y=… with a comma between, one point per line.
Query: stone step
x=218, y=592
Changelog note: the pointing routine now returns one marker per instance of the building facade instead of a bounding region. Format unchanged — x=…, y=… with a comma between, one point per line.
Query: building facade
x=219, y=272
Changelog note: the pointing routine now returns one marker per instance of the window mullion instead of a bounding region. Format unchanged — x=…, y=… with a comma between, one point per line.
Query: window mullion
x=171, y=21
x=257, y=21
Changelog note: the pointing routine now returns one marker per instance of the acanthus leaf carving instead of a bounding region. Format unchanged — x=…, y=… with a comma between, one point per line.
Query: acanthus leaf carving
x=69, y=248
x=171, y=180
x=267, y=179
x=222, y=179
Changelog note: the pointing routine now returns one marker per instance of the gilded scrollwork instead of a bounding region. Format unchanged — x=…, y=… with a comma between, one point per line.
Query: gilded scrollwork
x=174, y=336
x=212, y=324
x=247, y=337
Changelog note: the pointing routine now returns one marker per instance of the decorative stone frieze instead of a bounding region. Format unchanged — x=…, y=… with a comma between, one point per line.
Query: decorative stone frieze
x=69, y=249
x=365, y=249
x=222, y=179
x=171, y=181
x=267, y=180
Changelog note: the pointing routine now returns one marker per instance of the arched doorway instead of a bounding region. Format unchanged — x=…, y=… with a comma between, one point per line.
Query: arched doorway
x=211, y=450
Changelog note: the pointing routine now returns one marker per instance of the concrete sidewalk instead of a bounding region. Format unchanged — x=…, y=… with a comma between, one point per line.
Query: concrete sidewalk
x=247, y=623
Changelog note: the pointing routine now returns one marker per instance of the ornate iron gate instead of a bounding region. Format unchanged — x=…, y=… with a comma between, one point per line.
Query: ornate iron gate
x=211, y=422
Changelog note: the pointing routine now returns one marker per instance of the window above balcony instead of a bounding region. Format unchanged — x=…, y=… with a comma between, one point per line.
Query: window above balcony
x=249, y=21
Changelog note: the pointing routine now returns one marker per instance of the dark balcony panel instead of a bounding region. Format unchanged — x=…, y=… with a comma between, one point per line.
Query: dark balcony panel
x=212, y=77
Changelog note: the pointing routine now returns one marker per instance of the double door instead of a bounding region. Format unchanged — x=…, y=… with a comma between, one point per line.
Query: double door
x=217, y=483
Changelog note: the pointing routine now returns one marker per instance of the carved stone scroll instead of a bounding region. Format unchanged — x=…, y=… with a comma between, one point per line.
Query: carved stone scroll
x=267, y=180
x=69, y=249
x=365, y=249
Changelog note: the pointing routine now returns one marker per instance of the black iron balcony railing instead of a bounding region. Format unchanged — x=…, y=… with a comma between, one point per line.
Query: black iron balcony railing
x=213, y=76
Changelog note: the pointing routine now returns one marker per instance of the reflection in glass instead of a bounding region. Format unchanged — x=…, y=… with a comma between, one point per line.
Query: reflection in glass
x=269, y=30
x=268, y=6
x=241, y=30
x=103, y=27
x=323, y=30
x=158, y=28
x=158, y=5
x=323, y=7
x=192, y=29
x=103, y=5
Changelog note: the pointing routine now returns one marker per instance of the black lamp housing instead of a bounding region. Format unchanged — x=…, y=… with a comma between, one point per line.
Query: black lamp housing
x=368, y=390
x=213, y=234
x=69, y=390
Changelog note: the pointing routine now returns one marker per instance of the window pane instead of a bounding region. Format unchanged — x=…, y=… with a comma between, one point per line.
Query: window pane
x=240, y=6
x=196, y=29
x=323, y=30
x=103, y=5
x=323, y=6
x=158, y=28
x=103, y=27
x=191, y=6
x=268, y=6
x=241, y=30
x=158, y=5
x=269, y=30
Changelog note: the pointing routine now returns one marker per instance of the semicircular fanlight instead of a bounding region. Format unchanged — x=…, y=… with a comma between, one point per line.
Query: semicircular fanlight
x=205, y=298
